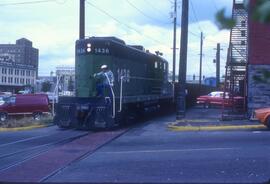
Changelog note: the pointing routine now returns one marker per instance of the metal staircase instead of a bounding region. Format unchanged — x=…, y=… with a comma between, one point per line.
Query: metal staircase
x=235, y=75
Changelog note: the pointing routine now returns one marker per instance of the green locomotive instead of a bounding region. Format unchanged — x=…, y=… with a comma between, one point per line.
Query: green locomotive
x=140, y=84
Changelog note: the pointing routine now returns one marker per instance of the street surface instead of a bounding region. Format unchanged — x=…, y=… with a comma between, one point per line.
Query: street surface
x=152, y=153
x=147, y=152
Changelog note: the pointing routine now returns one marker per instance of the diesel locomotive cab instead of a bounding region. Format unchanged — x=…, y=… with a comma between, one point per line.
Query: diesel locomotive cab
x=140, y=84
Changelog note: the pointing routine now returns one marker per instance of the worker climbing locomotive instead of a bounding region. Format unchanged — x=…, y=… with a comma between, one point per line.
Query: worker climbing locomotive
x=115, y=82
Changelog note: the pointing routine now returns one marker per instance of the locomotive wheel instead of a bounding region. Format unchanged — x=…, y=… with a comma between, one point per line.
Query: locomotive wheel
x=90, y=121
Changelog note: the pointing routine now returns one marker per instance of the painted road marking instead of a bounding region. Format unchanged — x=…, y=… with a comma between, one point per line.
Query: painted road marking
x=168, y=150
x=257, y=132
x=226, y=127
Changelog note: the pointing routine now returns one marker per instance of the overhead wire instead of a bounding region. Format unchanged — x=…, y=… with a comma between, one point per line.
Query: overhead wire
x=122, y=23
x=215, y=5
x=195, y=16
x=154, y=7
x=27, y=2
x=144, y=14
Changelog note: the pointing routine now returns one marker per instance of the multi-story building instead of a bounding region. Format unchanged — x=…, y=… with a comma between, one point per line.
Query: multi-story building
x=18, y=65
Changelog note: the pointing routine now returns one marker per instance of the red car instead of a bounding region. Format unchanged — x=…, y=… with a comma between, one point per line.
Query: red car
x=263, y=115
x=29, y=104
x=216, y=98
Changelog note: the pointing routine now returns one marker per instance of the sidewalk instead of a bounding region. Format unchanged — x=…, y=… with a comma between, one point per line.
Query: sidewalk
x=199, y=118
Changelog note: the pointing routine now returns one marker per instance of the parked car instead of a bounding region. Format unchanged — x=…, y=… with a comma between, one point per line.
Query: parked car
x=263, y=115
x=28, y=104
x=216, y=98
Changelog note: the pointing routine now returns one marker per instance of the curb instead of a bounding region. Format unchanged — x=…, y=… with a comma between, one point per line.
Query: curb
x=209, y=128
x=195, y=121
x=24, y=128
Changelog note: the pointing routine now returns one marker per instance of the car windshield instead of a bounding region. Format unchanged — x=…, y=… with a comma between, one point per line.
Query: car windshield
x=215, y=94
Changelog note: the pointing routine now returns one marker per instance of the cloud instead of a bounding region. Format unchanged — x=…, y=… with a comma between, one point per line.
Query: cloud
x=53, y=29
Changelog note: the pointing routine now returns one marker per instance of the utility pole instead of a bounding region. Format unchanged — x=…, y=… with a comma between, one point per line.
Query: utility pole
x=181, y=93
x=174, y=38
x=218, y=65
x=201, y=47
x=82, y=20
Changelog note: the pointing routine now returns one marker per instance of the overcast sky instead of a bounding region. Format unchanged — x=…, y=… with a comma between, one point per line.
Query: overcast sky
x=53, y=28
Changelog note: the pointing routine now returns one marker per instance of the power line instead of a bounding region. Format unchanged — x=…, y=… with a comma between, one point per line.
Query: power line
x=144, y=14
x=194, y=13
x=27, y=2
x=122, y=23
x=154, y=7
x=215, y=5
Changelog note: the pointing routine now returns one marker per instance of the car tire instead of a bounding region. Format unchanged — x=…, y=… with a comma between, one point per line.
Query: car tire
x=3, y=117
x=267, y=123
x=37, y=116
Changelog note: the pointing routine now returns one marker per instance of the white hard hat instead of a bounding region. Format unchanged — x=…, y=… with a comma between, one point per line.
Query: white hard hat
x=104, y=67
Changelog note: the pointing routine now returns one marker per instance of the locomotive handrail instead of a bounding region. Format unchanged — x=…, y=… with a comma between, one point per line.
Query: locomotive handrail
x=121, y=94
x=113, y=95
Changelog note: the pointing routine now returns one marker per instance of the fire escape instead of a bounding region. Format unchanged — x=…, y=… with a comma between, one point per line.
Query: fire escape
x=235, y=75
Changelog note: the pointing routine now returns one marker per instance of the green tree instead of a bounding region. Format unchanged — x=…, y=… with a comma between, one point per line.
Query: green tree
x=260, y=12
x=46, y=86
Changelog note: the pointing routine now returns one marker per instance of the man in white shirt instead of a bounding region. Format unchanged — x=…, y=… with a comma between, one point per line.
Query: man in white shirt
x=106, y=80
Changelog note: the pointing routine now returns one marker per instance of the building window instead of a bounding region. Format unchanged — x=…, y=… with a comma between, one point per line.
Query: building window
x=156, y=64
x=243, y=33
x=10, y=71
x=4, y=79
x=22, y=81
x=27, y=81
x=4, y=71
x=23, y=72
x=243, y=42
x=10, y=80
x=243, y=23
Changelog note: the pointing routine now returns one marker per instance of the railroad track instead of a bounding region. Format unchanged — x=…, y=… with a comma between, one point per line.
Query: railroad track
x=38, y=163
x=17, y=152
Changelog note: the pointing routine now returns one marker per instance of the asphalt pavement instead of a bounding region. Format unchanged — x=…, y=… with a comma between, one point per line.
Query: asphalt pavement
x=152, y=152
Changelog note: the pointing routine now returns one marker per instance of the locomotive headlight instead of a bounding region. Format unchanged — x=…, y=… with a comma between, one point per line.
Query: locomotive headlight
x=88, y=49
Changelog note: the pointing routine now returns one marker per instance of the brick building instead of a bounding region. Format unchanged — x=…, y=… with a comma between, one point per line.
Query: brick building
x=258, y=63
x=18, y=65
